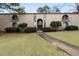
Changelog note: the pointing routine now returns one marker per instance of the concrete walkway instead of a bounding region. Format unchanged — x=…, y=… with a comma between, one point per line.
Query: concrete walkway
x=68, y=48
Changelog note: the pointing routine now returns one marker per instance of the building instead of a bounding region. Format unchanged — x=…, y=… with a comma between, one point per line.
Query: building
x=36, y=19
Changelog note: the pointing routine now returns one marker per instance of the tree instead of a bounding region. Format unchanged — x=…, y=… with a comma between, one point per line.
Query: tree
x=20, y=10
x=40, y=10
x=11, y=7
x=55, y=9
x=45, y=9
x=77, y=7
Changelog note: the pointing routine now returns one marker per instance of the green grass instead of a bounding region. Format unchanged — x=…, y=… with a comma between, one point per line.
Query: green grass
x=26, y=44
x=71, y=37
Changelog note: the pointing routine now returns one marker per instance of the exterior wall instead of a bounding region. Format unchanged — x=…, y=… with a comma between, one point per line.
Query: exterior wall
x=40, y=16
x=26, y=19
x=73, y=19
x=52, y=17
x=6, y=19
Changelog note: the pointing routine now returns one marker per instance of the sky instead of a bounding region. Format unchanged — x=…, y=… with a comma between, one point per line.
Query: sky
x=32, y=7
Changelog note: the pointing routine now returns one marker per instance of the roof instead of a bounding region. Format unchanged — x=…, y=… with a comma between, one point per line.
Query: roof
x=35, y=13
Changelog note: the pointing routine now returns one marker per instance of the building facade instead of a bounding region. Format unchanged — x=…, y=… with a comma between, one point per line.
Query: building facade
x=36, y=19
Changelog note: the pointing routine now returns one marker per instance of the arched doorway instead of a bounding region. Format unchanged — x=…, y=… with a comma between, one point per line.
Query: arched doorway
x=39, y=24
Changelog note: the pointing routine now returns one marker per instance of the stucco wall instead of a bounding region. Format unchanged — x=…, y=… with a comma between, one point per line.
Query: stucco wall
x=73, y=19
x=5, y=19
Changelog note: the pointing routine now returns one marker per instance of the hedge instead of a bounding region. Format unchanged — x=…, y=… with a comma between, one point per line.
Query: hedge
x=71, y=27
x=12, y=29
x=22, y=25
x=55, y=24
x=30, y=30
x=48, y=29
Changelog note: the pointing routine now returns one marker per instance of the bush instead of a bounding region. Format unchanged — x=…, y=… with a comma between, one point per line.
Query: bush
x=47, y=29
x=55, y=24
x=22, y=25
x=30, y=30
x=12, y=29
x=71, y=27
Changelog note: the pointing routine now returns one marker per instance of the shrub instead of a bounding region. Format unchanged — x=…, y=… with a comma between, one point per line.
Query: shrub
x=30, y=30
x=48, y=29
x=71, y=27
x=22, y=26
x=12, y=29
x=55, y=25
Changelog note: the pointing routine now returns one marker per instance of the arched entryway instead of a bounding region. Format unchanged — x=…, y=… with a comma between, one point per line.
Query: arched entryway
x=39, y=24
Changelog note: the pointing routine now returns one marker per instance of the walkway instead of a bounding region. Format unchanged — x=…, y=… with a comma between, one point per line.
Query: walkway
x=68, y=48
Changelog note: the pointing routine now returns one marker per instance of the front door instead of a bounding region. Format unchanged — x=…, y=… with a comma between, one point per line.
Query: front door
x=39, y=24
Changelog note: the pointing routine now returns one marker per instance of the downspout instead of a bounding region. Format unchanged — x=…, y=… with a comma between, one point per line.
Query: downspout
x=44, y=20
x=34, y=19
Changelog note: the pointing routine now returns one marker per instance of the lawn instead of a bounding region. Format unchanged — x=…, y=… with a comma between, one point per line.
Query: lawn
x=20, y=44
x=71, y=37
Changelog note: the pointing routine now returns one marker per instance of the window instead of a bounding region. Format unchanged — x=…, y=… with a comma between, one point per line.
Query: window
x=14, y=20
x=14, y=17
x=14, y=24
x=65, y=17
